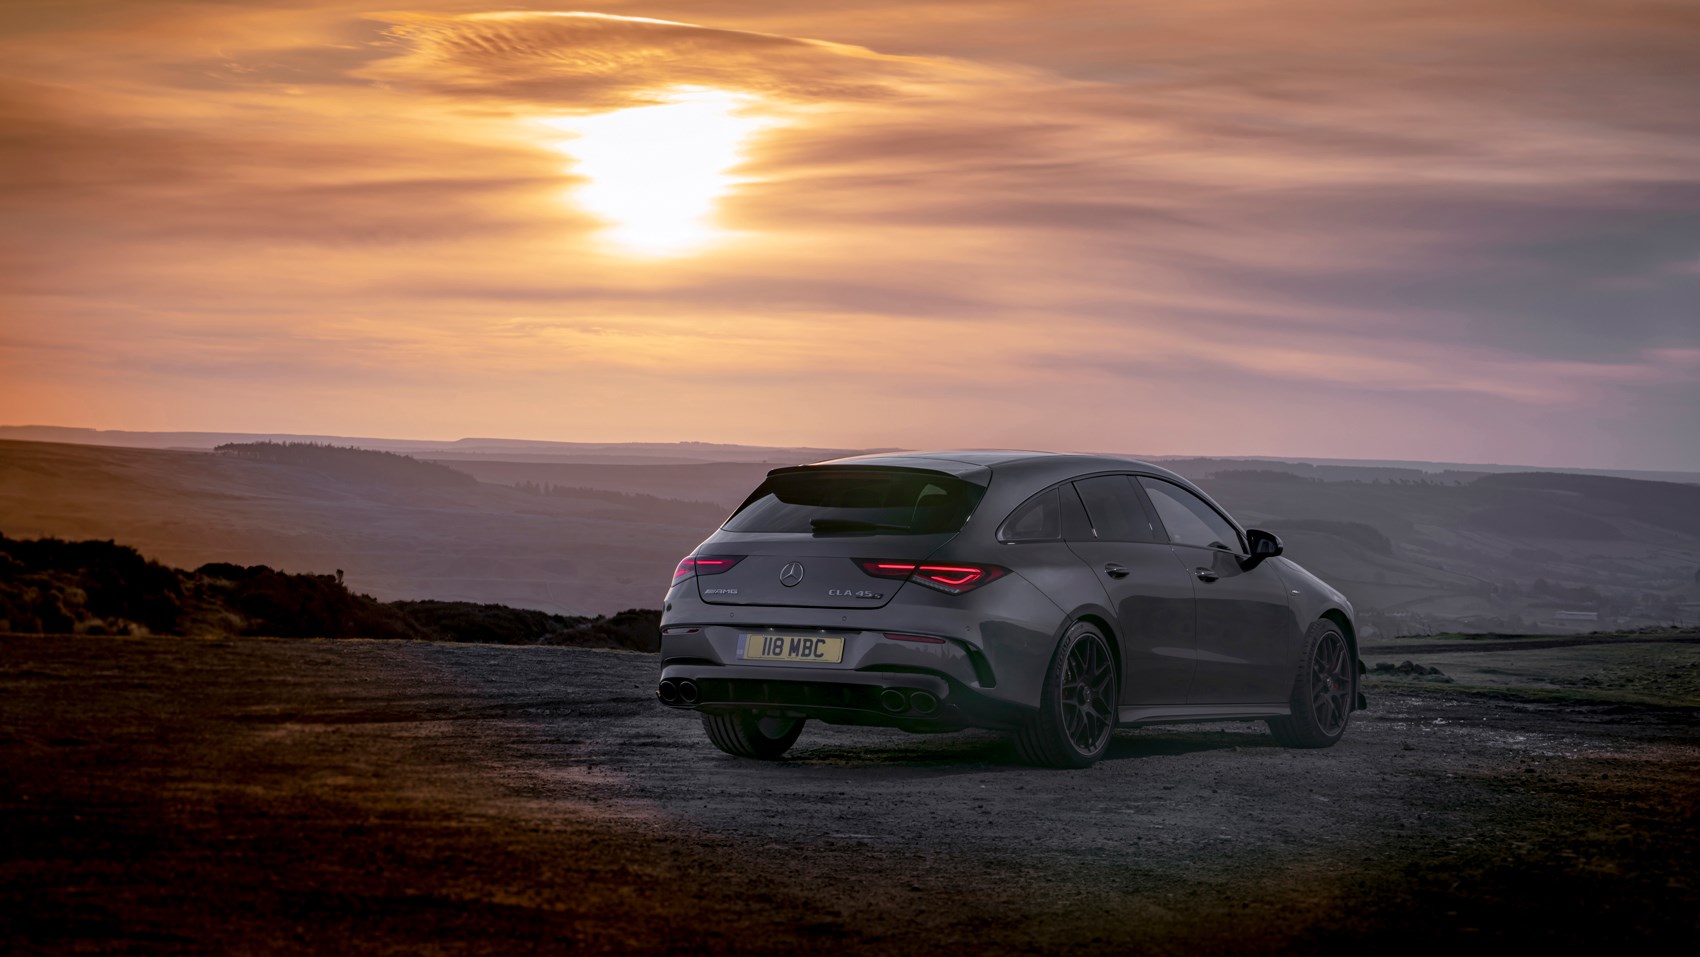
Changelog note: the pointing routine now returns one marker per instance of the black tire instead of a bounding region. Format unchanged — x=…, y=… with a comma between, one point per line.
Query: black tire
x=1077, y=707
x=1324, y=691
x=751, y=735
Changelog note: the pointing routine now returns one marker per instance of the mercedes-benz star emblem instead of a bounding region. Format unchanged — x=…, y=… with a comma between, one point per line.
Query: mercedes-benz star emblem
x=791, y=574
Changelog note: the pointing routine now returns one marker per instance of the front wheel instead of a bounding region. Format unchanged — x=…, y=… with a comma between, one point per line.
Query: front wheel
x=1323, y=691
x=1077, y=708
x=750, y=735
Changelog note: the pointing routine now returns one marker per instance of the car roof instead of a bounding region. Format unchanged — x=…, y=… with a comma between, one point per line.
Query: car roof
x=1037, y=467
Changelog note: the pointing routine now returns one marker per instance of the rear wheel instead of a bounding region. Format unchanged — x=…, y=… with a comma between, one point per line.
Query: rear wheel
x=750, y=735
x=1077, y=709
x=1324, y=690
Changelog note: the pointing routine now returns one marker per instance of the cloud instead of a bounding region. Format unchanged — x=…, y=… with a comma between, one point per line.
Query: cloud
x=597, y=62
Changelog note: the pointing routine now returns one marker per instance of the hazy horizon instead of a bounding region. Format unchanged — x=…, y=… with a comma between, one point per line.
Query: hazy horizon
x=514, y=446
x=1428, y=230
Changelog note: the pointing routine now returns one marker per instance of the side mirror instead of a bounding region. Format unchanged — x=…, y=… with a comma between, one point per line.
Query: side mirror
x=1263, y=545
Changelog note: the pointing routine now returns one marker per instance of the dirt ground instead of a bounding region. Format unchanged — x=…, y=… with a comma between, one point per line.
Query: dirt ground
x=266, y=796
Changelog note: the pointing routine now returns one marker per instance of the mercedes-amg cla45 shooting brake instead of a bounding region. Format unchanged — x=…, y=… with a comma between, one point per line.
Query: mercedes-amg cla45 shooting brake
x=1049, y=596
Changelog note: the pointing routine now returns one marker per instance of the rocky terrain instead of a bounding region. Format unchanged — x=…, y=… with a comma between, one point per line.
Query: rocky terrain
x=163, y=795
x=50, y=586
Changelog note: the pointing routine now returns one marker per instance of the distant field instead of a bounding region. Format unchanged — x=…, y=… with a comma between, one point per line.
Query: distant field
x=1644, y=669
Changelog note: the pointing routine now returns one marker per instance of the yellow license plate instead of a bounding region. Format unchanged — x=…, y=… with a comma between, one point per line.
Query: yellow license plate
x=810, y=648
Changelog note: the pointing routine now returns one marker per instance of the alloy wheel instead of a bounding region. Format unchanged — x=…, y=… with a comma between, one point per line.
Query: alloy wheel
x=1088, y=693
x=1330, y=683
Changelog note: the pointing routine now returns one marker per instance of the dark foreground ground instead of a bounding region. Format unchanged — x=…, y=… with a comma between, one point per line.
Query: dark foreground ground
x=264, y=796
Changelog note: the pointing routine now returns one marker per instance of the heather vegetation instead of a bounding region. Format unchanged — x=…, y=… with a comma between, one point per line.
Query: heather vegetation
x=49, y=586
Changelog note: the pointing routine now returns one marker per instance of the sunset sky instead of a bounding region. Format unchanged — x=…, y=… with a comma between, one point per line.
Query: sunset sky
x=1464, y=231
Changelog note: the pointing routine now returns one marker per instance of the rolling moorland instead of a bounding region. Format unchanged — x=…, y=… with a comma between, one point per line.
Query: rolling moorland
x=1418, y=550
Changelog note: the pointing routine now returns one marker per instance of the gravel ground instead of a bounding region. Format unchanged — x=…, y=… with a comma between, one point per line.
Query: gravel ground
x=264, y=796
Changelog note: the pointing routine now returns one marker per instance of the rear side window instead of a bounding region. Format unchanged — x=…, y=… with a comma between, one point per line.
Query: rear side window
x=1114, y=507
x=1039, y=519
x=886, y=501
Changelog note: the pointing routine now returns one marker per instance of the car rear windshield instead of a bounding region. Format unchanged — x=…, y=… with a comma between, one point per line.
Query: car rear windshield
x=864, y=500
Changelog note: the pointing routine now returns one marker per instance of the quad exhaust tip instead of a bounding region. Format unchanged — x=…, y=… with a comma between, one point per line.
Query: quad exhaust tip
x=688, y=693
x=896, y=701
x=668, y=692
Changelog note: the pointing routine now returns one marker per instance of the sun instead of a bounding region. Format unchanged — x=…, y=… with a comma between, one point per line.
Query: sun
x=655, y=174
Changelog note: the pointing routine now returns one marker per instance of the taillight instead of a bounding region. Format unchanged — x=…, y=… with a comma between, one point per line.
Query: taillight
x=704, y=565
x=888, y=569
x=952, y=579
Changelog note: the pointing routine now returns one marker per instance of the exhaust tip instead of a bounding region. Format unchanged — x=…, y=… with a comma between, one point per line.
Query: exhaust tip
x=892, y=700
x=688, y=693
x=923, y=702
x=668, y=692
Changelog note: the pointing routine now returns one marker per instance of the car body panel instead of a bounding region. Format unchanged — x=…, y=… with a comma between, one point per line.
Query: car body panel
x=829, y=575
x=1243, y=615
x=1154, y=614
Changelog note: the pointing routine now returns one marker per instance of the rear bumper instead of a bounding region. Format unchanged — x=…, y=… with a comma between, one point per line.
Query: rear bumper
x=909, y=700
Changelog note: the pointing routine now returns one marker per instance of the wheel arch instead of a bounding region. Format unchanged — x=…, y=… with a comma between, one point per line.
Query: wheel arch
x=1344, y=621
x=1101, y=621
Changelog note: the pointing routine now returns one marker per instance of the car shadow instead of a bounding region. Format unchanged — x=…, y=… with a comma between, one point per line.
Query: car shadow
x=977, y=752
x=1136, y=743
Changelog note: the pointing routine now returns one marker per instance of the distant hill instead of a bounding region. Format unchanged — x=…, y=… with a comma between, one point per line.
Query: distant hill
x=1415, y=551
x=462, y=540
x=1433, y=473
x=1423, y=555
x=472, y=449
x=1670, y=504
x=365, y=465
x=684, y=453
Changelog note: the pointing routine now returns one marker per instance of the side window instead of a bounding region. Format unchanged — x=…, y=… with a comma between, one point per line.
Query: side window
x=1189, y=519
x=1115, y=510
x=1076, y=527
x=1039, y=519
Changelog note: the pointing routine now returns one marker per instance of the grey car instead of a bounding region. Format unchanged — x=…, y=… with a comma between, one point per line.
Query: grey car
x=1050, y=596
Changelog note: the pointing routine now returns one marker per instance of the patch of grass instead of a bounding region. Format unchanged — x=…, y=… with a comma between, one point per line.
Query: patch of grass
x=1671, y=631
x=1530, y=695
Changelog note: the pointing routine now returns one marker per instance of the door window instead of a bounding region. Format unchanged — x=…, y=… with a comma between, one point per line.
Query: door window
x=1189, y=519
x=1113, y=505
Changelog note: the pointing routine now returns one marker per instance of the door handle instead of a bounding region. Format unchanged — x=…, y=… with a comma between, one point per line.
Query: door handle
x=1114, y=570
x=1205, y=574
